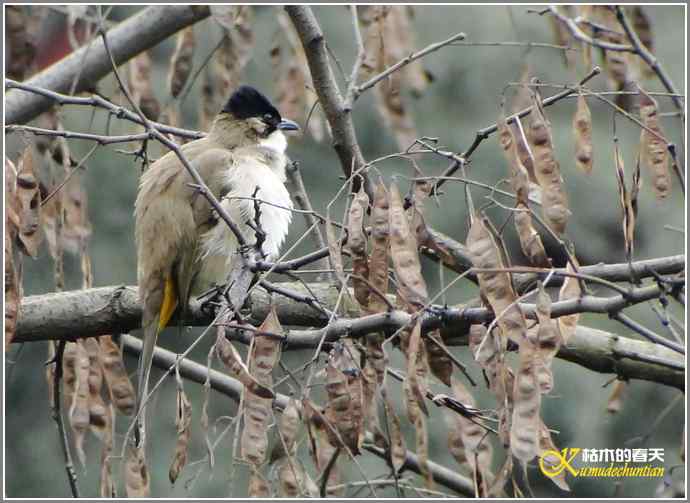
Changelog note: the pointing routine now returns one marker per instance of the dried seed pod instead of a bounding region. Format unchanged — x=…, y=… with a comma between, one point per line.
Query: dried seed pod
x=182, y=61
x=397, y=447
x=288, y=427
x=643, y=28
x=264, y=353
x=99, y=413
x=258, y=486
x=416, y=374
x=496, y=488
x=321, y=449
x=530, y=241
x=524, y=430
x=628, y=214
x=422, y=447
x=28, y=205
x=521, y=101
x=233, y=361
x=378, y=259
x=403, y=249
x=548, y=340
x=547, y=170
x=183, y=423
x=616, y=63
x=477, y=448
x=582, y=130
x=546, y=456
x=13, y=280
x=519, y=178
x=653, y=147
x=76, y=377
x=495, y=287
x=613, y=406
x=563, y=37
x=21, y=48
x=121, y=389
x=345, y=399
x=141, y=86
x=357, y=244
x=136, y=474
x=440, y=363
x=570, y=290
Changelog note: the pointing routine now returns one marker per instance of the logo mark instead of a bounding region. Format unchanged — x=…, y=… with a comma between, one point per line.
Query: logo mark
x=552, y=463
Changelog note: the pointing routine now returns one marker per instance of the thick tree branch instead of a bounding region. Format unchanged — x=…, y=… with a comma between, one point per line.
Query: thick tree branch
x=166, y=360
x=84, y=313
x=332, y=102
x=134, y=35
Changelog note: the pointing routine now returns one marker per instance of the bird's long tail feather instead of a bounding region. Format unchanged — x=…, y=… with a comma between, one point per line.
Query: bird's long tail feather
x=151, y=330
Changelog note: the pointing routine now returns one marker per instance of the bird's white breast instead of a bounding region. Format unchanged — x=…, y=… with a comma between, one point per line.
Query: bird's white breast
x=253, y=168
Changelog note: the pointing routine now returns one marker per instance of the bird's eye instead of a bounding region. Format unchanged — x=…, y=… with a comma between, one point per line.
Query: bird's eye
x=268, y=117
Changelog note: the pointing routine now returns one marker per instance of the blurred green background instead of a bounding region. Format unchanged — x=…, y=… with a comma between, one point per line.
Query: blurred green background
x=463, y=98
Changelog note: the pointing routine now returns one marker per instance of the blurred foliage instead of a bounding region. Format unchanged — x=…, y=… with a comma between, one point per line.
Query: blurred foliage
x=463, y=98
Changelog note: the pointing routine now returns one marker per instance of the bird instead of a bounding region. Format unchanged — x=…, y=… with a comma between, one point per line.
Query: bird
x=183, y=248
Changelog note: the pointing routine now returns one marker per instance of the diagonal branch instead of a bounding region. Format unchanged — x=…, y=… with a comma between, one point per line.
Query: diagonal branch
x=331, y=100
x=138, y=33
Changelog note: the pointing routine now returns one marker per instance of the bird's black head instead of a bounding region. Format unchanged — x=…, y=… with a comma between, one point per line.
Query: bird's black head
x=248, y=103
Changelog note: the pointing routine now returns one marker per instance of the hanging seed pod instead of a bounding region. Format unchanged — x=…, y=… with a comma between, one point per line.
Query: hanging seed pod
x=321, y=449
x=345, y=399
x=357, y=244
x=182, y=61
x=403, y=249
x=264, y=353
x=76, y=375
x=478, y=451
x=397, y=447
x=28, y=205
x=653, y=147
x=378, y=259
x=570, y=290
x=615, y=403
x=524, y=430
x=439, y=361
x=136, y=474
x=142, y=87
x=233, y=361
x=628, y=214
x=548, y=340
x=495, y=287
x=551, y=461
x=183, y=423
x=121, y=389
x=643, y=28
x=547, y=170
x=582, y=130
x=258, y=486
x=416, y=378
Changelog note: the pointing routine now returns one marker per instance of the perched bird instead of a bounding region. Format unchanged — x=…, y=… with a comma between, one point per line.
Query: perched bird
x=182, y=245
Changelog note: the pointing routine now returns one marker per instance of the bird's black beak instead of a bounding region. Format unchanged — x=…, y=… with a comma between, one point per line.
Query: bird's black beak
x=288, y=125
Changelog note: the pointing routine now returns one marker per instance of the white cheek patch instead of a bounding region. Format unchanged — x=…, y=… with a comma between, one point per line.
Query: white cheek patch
x=276, y=141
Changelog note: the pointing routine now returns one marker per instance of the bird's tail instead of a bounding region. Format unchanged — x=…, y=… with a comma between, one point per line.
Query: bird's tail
x=153, y=322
